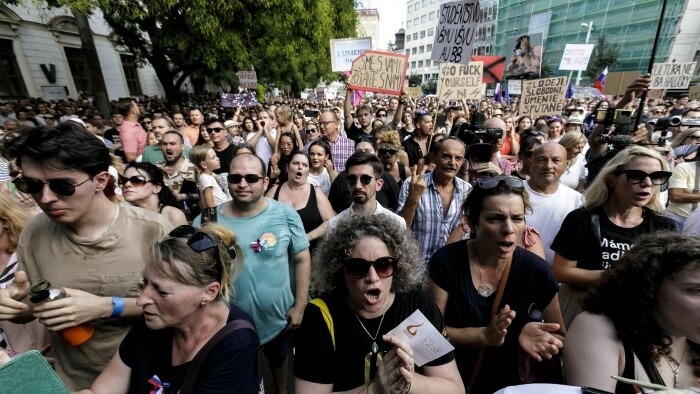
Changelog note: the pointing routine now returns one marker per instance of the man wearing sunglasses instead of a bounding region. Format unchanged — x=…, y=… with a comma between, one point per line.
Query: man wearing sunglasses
x=83, y=242
x=274, y=245
x=224, y=150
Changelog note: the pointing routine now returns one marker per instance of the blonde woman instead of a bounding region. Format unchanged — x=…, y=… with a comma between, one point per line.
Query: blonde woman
x=575, y=174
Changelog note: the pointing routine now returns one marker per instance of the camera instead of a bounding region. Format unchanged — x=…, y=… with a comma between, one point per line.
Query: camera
x=691, y=122
x=665, y=123
x=613, y=116
x=478, y=140
x=621, y=140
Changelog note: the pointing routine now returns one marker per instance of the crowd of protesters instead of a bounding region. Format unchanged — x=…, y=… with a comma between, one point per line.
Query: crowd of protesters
x=187, y=235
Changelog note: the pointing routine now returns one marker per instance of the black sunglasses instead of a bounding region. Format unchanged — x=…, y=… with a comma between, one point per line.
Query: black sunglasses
x=311, y=131
x=59, y=186
x=249, y=178
x=493, y=182
x=387, y=152
x=364, y=179
x=638, y=176
x=200, y=242
x=358, y=268
x=214, y=130
x=381, y=115
x=136, y=181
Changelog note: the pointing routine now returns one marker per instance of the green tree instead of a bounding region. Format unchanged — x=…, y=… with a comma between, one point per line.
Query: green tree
x=415, y=80
x=430, y=87
x=605, y=54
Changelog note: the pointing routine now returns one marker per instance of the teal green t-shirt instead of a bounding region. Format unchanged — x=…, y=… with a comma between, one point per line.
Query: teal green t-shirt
x=153, y=154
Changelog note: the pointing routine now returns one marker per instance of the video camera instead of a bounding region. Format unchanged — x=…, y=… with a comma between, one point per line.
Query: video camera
x=667, y=122
x=477, y=138
x=613, y=116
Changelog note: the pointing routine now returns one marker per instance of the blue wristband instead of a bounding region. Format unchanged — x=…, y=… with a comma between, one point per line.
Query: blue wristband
x=118, y=303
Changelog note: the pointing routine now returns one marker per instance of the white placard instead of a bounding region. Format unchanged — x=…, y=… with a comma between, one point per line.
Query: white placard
x=515, y=86
x=345, y=50
x=576, y=57
x=456, y=31
x=54, y=92
x=672, y=75
x=248, y=79
x=425, y=340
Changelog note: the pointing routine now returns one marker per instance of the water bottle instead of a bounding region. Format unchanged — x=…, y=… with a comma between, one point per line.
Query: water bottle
x=42, y=291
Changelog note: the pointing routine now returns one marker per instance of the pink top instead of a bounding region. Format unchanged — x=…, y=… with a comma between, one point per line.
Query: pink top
x=132, y=137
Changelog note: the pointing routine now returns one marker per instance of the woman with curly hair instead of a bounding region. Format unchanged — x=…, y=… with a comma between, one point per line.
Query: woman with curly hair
x=641, y=320
x=393, y=157
x=369, y=275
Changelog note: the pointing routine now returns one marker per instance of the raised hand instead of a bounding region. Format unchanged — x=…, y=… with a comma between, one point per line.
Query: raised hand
x=495, y=333
x=537, y=340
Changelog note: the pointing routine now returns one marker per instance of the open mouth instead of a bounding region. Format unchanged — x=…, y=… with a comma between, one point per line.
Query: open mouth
x=299, y=174
x=372, y=296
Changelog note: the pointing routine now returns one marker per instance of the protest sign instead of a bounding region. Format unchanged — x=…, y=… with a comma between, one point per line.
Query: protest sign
x=461, y=81
x=232, y=100
x=694, y=93
x=493, y=67
x=456, y=31
x=248, y=79
x=672, y=75
x=515, y=86
x=543, y=96
x=525, y=60
x=345, y=50
x=379, y=72
x=414, y=91
x=576, y=57
x=616, y=83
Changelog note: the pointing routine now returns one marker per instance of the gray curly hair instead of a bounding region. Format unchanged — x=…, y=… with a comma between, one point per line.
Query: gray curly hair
x=328, y=262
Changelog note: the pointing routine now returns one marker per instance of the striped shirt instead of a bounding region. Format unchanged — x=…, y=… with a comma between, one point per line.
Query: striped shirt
x=341, y=150
x=429, y=226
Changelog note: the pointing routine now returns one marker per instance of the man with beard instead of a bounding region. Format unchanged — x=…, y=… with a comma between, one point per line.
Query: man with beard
x=364, y=177
x=176, y=170
x=154, y=153
x=431, y=203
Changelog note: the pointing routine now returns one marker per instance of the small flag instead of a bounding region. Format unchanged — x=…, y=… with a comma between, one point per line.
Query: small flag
x=570, y=91
x=506, y=95
x=600, y=81
x=356, y=94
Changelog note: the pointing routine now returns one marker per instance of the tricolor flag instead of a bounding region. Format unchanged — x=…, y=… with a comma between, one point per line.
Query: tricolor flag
x=506, y=95
x=356, y=94
x=497, y=95
x=600, y=81
x=570, y=91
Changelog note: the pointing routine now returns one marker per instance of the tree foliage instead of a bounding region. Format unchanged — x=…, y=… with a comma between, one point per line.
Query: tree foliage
x=285, y=41
x=605, y=54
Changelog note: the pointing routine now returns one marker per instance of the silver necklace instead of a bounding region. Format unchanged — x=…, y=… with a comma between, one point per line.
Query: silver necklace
x=375, y=347
x=485, y=289
x=676, y=377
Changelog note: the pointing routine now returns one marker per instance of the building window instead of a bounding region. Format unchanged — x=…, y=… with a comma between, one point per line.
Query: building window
x=415, y=21
x=415, y=36
x=409, y=23
x=410, y=9
x=417, y=7
x=11, y=82
x=429, y=47
x=422, y=34
x=413, y=64
x=131, y=73
x=408, y=51
x=408, y=38
x=78, y=69
x=431, y=31
x=420, y=63
x=421, y=49
x=431, y=16
x=425, y=3
x=413, y=51
x=423, y=18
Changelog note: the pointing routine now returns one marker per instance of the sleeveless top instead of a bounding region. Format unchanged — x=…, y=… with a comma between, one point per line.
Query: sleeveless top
x=310, y=215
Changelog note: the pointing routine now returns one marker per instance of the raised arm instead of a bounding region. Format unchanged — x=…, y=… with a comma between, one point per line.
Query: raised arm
x=347, y=107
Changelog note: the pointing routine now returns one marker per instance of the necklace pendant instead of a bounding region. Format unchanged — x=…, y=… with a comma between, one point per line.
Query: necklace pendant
x=485, y=290
x=676, y=378
x=375, y=348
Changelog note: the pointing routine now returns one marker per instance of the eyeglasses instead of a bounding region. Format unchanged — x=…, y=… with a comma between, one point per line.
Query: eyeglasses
x=694, y=137
x=364, y=179
x=214, y=130
x=149, y=122
x=358, y=268
x=59, y=186
x=200, y=242
x=136, y=181
x=493, y=182
x=638, y=176
x=48, y=117
x=249, y=178
x=381, y=115
x=311, y=131
x=324, y=124
x=387, y=152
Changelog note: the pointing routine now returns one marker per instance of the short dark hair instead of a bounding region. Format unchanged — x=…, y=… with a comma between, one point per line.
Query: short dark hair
x=474, y=204
x=213, y=120
x=123, y=106
x=66, y=146
x=155, y=175
x=173, y=132
x=362, y=158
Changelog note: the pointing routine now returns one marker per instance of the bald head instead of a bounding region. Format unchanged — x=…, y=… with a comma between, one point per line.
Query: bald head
x=548, y=165
x=495, y=123
x=550, y=147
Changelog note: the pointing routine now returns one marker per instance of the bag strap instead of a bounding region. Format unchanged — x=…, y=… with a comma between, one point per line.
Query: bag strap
x=696, y=189
x=494, y=310
x=188, y=383
x=650, y=369
x=595, y=223
x=326, y=316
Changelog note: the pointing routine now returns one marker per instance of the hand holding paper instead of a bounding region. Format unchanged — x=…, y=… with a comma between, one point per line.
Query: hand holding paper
x=425, y=340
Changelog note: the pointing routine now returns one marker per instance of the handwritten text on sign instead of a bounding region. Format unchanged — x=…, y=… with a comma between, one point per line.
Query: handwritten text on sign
x=456, y=31
x=576, y=57
x=672, y=75
x=379, y=72
x=543, y=96
x=248, y=79
x=461, y=81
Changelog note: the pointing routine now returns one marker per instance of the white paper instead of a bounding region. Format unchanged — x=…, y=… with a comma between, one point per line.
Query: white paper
x=426, y=341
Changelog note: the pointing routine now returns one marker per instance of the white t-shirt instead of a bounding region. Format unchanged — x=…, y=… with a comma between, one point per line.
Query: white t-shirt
x=380, y=210
x=323, y=181
x=262, y=147
x=548, y=213
x=574, y=174
x=205, y=181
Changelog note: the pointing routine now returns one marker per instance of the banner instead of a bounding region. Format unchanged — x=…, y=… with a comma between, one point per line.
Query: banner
x=248, y=79
x=456, y=31
x=231, y=100
x=616, y=83
x=494, y=66
x=414, y=91
x=379, y=72
x=345, y=50
x=543, y=97
x=576, y=57
x=694, y=93
x=672, y=75
x=515, y=86
x=526, y=56
x=461, y=81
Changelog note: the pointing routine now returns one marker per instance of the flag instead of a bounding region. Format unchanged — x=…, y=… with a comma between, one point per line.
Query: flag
x=600, y=81
x=570, y=91
x=506, y=96
x=497, y=95
x=356, y=94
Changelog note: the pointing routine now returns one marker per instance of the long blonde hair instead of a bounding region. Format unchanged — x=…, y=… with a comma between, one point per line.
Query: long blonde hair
x=13, y=218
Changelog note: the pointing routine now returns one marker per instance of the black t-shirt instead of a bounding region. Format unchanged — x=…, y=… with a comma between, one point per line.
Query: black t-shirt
x=316, y=361
x=231, y=367
x=530, y=281
x=413, y=150
x=225, y=157
x=340, y=197
x=357, y=134
x=576, y=240
x=112, y=135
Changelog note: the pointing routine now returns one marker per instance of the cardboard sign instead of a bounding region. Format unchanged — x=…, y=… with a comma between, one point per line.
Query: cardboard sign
x=248, y=79
x=494, y=66
x=414, y=91
x=461, y=81
x=616, y=83
x=231, y=100
x=694, y=92
x=379, y=72
x=672, y=75
x=515, y=86
x=576, y=57
x=456, y=31
x=543, y=97
x=345, y=50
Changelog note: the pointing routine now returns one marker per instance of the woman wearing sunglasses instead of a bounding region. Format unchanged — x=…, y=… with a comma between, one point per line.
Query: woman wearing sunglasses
x=142, y=185
x=185, y=301
x=369, y=275
x=487, y=288
x=389, y=152
x=621, y=204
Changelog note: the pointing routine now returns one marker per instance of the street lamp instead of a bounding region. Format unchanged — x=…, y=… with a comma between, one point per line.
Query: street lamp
x=589, y=25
